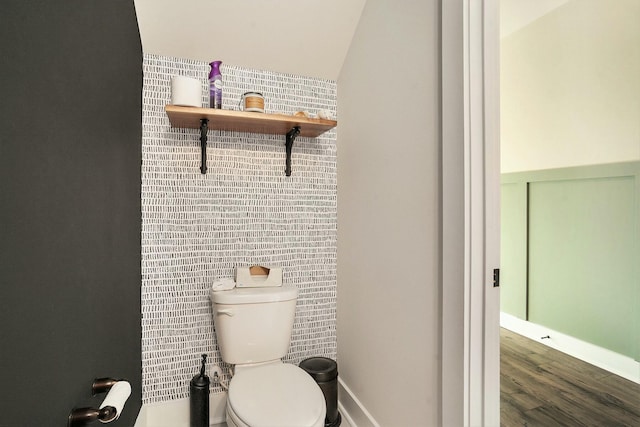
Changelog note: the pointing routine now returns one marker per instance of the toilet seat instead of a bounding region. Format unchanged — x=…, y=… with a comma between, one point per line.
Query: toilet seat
x=274, y=395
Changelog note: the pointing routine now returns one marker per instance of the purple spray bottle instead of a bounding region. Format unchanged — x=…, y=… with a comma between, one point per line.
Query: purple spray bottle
x=215, y=85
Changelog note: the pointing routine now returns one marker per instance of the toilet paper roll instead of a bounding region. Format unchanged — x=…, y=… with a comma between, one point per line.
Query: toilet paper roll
x=117, y=396
x=186, y=91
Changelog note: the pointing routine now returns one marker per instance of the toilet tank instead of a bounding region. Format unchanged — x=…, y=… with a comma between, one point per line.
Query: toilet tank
x=254, y=324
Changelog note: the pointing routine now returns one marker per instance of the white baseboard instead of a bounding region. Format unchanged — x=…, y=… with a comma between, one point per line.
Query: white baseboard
x=352, y=409
x=608, y=360
x=175, y=413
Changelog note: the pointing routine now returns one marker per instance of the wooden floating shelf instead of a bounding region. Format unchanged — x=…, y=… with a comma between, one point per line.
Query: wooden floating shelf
x=242, y=121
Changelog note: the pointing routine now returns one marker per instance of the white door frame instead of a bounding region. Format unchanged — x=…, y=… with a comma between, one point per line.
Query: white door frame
x=470, y=215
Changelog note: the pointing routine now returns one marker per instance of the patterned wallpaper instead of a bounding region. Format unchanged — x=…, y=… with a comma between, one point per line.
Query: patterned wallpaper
x=244, y=211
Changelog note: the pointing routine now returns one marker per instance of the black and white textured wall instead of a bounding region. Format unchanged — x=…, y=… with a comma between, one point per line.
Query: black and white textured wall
x=244, y=211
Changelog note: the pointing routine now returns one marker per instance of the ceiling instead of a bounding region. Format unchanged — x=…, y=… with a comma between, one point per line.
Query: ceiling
x=517, y=14
x=303, y=37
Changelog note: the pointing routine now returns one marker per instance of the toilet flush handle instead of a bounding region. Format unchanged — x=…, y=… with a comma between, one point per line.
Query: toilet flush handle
x=227, y=311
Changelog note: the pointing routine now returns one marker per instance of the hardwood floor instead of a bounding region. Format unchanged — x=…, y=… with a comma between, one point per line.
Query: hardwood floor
x=540, y=386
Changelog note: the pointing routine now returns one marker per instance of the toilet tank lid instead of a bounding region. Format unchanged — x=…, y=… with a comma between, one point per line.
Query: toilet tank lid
x=254, y=295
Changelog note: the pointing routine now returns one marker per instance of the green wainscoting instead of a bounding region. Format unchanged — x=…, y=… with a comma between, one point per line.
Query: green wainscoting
x=513, y=248
x=571, y=252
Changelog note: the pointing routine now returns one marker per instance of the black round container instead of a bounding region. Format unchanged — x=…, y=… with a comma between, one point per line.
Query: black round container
x=325, y=372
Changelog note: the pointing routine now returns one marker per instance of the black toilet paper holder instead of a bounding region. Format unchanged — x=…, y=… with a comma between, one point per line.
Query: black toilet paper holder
x=82, y=416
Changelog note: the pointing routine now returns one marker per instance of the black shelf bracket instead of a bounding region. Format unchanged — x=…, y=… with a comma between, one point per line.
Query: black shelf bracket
x=204, y=126
x=291, y=137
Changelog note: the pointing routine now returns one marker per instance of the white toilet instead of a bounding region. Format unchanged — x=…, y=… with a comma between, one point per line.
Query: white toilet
x=253, y=327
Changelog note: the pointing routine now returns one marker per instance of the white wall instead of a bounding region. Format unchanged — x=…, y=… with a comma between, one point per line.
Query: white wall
x=570, y=87
x=388, y=213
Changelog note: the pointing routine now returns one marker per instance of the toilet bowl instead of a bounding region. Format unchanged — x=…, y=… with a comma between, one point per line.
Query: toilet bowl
x=253, y=328
x=276, y=394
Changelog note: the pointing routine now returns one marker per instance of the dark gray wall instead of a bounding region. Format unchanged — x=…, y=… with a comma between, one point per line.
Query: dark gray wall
x=70, y=134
